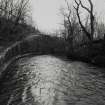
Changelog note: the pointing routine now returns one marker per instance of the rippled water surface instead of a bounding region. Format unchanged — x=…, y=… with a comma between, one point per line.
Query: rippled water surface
x=47, y=80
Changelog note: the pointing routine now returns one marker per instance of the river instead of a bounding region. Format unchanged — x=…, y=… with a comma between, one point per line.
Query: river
x=49, y=80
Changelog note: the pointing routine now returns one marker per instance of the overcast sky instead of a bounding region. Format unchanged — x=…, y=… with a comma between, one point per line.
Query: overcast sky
x=47, y=16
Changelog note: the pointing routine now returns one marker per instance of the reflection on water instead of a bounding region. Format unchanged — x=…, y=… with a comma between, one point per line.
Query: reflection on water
x=47, y=80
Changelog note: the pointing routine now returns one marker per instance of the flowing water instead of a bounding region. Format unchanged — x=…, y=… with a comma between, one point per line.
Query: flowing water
x=48, y=80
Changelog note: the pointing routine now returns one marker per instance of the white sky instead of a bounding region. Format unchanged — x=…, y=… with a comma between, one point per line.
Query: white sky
x=46, y=13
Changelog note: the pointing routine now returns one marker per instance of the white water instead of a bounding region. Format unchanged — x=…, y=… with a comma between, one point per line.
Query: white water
x=47, y=80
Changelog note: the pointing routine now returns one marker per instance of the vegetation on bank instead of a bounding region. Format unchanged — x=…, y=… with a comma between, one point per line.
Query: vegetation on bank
x=85, y=35
x=10, y=33
x=14, y=21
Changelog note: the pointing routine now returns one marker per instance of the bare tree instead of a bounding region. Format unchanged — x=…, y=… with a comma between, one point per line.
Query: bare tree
x=15, y=10
x=91, y=18
x=21, y=11
x=69, y=20
x=70, y=24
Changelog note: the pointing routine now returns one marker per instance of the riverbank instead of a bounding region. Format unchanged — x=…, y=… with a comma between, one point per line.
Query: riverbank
x=39, y=44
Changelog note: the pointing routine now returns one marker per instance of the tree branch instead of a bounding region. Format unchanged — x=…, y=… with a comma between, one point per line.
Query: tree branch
x=84, y=6
x=79, y=19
